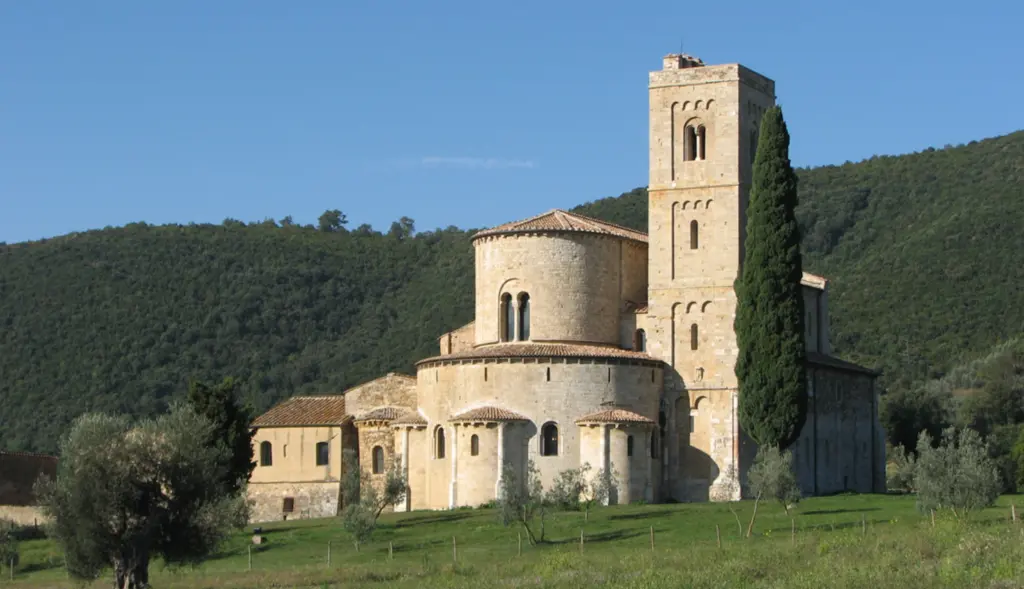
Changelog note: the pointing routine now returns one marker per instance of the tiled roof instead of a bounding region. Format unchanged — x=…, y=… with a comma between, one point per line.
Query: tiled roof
x=382, y=414
x=535, y=350
x=634, y=307
x=614, y=416
x=833, y=362
x=488, y=414
x=409, y=418
x=321, y=410
x=558, y=220
x=813, y=280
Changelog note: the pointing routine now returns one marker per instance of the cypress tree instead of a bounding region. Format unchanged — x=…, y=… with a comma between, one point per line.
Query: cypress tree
x=770, y=307
x=232, y=429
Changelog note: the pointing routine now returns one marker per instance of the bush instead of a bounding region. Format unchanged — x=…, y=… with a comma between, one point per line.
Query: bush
x=899, y=471
x=958, y=474
x=772, y=477
x=8, y=545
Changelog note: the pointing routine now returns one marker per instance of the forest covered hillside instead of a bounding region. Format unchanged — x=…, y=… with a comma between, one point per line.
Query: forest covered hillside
x=924, y=252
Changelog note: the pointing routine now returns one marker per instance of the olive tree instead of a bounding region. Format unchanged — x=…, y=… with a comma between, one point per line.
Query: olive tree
x=772, y=477
x=958, y=474
x=125, y=493
x=520, y=500
x=364, y=500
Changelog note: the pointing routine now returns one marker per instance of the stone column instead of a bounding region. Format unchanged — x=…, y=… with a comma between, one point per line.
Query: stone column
x=649, y=491
x=606, y=455
x=501, y=459
x=514, y=336
x=405, y=467
x=452, y=493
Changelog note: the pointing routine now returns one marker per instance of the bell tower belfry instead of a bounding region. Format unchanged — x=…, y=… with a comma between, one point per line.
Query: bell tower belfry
x=703, y=133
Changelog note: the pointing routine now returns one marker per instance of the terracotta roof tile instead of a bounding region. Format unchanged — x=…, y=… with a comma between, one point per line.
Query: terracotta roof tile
x=488, y=414
x=557, y=220
x=409, y=418
x=382, y=414
x=321, y=410
x=535, y=350
x=614, y=416
x=634, y=307
x=813, y=280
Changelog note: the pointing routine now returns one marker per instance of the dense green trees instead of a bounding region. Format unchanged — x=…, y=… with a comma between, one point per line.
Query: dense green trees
x=920, y=250
x=769, y=303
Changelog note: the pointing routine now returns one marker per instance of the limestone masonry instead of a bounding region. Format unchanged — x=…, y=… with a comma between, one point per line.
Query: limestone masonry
x=596, y=344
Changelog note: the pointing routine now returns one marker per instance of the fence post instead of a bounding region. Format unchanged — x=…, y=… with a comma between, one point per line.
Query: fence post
x=520, y=543
x=581, y=540
x=933, y=517
x=1013, y=513
x=391, y=551
x=792, y=529
x=328, y=553
x=718, y=535
x=863, y=525
x=652, y=538
x=250, y=557
x=455, y=555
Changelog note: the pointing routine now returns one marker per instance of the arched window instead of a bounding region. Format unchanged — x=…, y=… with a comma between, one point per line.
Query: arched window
x=549, y=439
x=524, y=317
x=323, y=453
x=378, y=460
x=266, y=454
x=508, y=318
x=439, y=443
x=640, y=340
x=694, y=238
x=701, y=142
x=629, y=445
x=693, y=336
x=474, y=445
x=689, y=143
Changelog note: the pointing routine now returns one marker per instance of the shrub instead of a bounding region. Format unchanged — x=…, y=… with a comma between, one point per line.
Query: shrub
x=899, y=471
x=957, y=474
x=772, y=477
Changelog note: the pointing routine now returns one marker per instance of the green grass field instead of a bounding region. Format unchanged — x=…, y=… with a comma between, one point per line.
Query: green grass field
x=894, y=547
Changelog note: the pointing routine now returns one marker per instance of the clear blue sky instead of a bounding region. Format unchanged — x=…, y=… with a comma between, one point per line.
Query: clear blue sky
x=467, y=113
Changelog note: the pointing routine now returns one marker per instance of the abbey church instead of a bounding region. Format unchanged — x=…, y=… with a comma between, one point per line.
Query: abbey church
x=593, y=343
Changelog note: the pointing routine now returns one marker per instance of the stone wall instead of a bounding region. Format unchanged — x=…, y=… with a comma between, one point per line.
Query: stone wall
x=559, y=391
x=458, y=340
x=393, y=390
x=309, y=500
x=294, y=454
x=578, y=284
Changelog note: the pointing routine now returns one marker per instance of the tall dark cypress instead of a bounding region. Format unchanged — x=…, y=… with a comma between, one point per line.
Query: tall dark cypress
x=770, y=307
x=219, y=404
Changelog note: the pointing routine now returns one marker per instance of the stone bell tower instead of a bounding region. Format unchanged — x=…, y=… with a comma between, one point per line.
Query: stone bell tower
x=703, y=123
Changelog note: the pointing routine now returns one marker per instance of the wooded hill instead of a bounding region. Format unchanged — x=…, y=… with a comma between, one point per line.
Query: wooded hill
x=925, y=253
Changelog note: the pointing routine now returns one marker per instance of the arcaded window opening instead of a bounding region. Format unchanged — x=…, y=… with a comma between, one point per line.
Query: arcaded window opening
x=694, y=237
x=439, y=442
x=474, y=445
x=693, y=337
x=323, y=453
x=689, y=143
x=508, y=318
x=629, y=445
x=640, y=340
x=549, y=439
x=524, y=317
x=378, y=460
x=266, y=454
x=701, y=142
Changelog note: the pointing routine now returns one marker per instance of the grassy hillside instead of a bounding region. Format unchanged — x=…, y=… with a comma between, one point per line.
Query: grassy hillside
x=924, y=252
x=830, y=549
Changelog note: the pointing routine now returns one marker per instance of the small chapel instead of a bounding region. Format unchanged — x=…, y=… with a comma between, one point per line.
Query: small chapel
x=594, y=344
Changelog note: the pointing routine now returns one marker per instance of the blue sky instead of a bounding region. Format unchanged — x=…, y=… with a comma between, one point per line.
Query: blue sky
x=452, y=113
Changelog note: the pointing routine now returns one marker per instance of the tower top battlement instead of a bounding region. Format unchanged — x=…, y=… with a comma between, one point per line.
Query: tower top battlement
x=679, y=61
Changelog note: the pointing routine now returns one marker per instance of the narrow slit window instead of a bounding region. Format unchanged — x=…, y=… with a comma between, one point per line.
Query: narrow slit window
x=474, y=445
x=640, y=341
x=439, y=443
x=378, y=460
x=266, y=454
x=629, y=445
x=508, y=318
x=323, y=454
x=694, y=237
x=693, y=337
x=524, y=317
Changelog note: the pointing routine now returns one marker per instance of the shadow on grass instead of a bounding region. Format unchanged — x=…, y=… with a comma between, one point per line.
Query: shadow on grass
x=602, y=537
x=433, y=519
x=37, y=566
x=838, y=511
x=641, y=514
